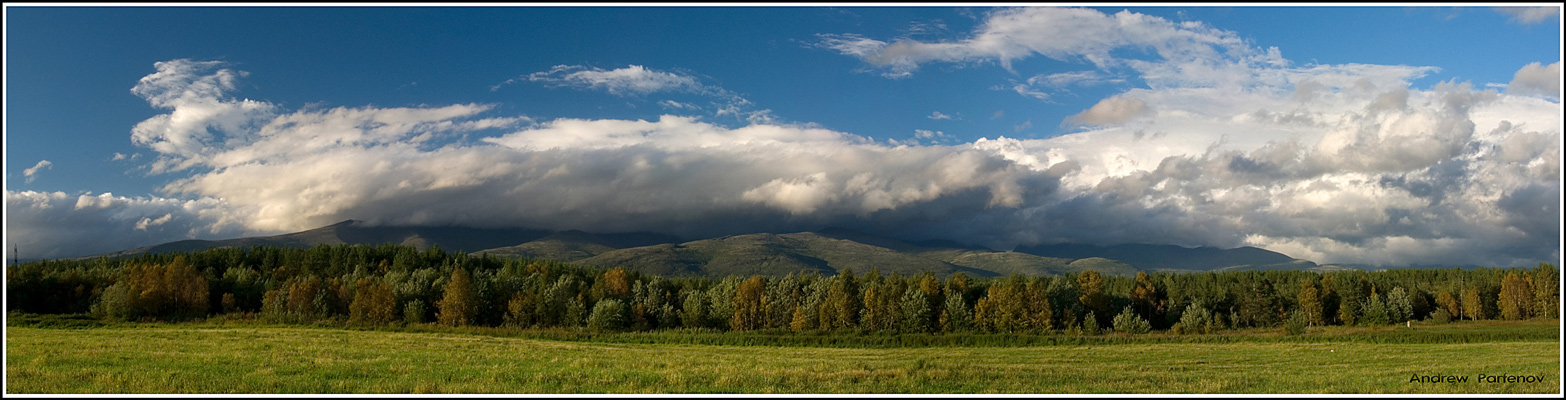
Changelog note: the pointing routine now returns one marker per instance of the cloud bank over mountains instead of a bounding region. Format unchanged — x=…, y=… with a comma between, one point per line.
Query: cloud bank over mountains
x=1226, y=146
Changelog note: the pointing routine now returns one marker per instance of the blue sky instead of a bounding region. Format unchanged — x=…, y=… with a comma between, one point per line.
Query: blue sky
x=905, y=86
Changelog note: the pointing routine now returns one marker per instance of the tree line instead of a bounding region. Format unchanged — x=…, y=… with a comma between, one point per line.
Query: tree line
x=391, y=284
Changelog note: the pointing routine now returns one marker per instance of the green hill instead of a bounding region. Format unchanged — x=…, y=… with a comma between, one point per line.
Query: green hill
x=774, y=255
x=826, y=252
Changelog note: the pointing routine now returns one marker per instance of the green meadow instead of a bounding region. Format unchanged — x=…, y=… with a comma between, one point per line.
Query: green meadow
x=246, y=358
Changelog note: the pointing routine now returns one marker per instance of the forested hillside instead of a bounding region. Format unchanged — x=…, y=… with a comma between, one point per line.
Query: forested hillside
x=393, y=284
x=827, y=252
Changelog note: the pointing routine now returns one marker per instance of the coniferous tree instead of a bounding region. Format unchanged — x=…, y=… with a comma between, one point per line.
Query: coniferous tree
x=956, y=316
x=935, y=299
x=1259, y=305
x=1330, y=300
x=1375, y=312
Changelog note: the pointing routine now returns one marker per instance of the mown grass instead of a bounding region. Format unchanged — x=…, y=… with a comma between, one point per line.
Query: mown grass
x=216, y=358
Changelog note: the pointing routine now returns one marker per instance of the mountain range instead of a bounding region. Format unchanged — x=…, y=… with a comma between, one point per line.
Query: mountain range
x=827, y=252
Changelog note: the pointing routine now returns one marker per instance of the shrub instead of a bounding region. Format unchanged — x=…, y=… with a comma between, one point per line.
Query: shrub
x=1090, y=324
x=1129, y=322
x=1441, y=316
x=1296, y=323
x=413, y=312
x=1196, y=319
x=608, y=315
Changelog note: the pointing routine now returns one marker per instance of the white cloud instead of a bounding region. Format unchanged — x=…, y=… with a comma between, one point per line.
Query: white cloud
x=1340, y=163
x=937, y=115
x=31, y=173
x=631, y=80
x=639, y=81
x=1537, y=79
x=1187, y=53
x=1531, y=15
x=1043, y=85
x=56, y=224
x=196, y=94
x=678, y=105
x=1110, y=111
x=1232, y=145
x=149, y=222
x=1064, y=79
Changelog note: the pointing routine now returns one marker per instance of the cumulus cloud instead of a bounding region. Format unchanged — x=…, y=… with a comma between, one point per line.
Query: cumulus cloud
x=1536, y=79
x=1334, y=163
x=937, y=115
x=1530, y=15
x=195, y=92
x=56, y=224
x=1110, y=111
x=32, y=173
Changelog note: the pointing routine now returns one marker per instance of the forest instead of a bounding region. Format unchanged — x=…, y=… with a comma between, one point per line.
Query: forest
x=396, y=285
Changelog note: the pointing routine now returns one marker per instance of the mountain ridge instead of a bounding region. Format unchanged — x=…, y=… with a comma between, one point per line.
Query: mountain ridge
x=827, y=251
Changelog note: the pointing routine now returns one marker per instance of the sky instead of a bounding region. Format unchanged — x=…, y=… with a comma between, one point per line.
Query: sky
x=1368, y=135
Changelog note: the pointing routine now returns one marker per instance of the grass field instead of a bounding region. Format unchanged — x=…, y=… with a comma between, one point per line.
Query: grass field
x=216, y=358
